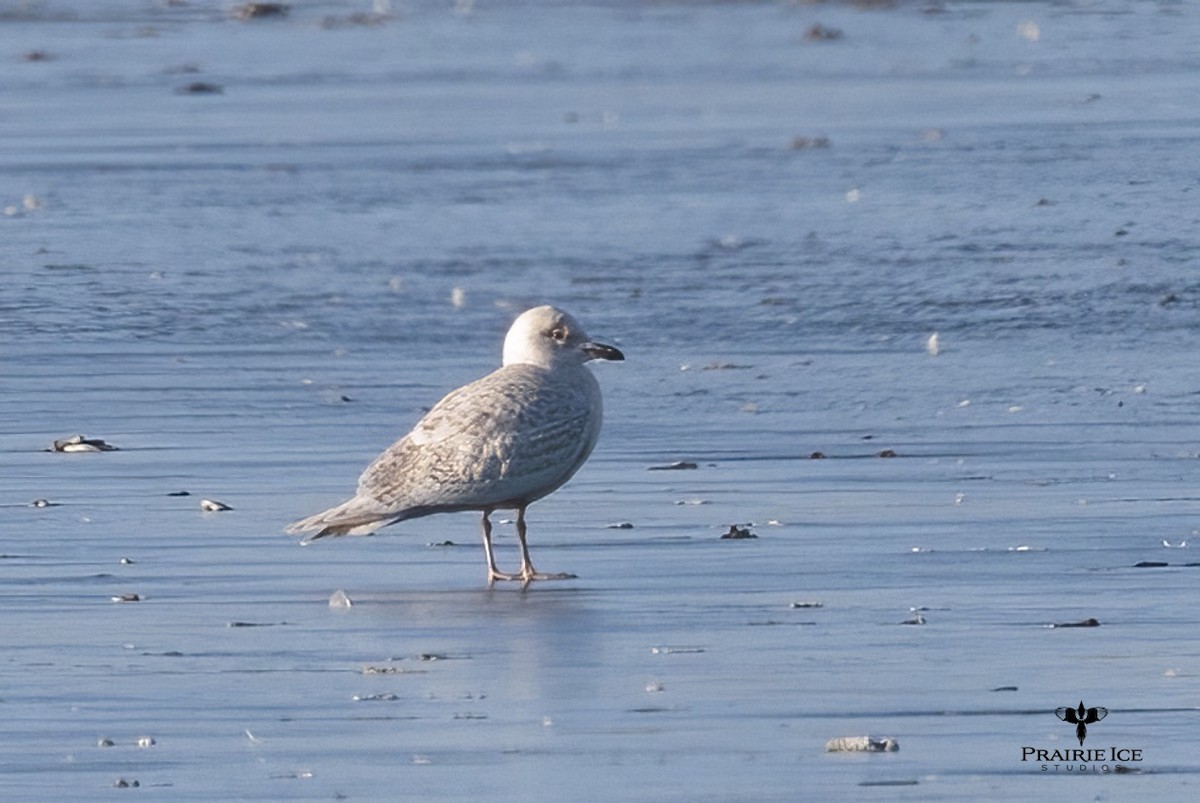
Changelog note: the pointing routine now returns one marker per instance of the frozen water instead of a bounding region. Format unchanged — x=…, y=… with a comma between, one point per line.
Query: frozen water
x=249, y=289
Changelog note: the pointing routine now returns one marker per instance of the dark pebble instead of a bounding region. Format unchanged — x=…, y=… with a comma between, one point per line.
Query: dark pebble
x=809, y=143
x=200, y=88
x=903, y=782
x=819, y=33
x=360, y=18
x=254, y=11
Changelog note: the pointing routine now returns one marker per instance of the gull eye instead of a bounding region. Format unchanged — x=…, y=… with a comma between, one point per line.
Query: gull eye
x=559, y=333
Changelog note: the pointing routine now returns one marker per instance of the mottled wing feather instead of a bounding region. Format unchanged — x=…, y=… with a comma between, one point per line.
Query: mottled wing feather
x=512, y=436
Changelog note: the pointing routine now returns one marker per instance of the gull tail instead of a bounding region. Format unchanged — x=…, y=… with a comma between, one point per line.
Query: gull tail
x=356, y=516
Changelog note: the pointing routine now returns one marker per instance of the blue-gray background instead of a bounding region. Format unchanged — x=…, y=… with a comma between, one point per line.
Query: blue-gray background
x=770, y=224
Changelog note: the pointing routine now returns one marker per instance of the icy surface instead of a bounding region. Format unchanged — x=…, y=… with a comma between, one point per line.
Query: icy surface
x=247, y=253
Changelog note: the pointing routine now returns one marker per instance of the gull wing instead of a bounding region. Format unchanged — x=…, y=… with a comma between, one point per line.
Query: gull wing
x=511, y=437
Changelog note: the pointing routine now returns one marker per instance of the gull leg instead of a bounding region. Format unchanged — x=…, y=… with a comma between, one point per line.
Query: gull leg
x=527, y=571
x=494, y=574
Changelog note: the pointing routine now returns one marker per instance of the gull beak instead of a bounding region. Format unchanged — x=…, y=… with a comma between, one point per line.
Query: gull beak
x=602, y=351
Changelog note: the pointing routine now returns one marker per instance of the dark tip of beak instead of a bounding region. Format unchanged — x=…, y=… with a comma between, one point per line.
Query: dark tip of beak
x=602, y=351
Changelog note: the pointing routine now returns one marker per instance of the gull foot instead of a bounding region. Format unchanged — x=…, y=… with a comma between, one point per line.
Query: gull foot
x=528, y=577
x=494, y=576
x=554, y=576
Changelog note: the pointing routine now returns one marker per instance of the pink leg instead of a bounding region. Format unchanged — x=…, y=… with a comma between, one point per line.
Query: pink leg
x=528, y=573
x=494, y=574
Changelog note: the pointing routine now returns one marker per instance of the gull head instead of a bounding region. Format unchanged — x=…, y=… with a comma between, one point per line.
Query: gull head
x=547, y=337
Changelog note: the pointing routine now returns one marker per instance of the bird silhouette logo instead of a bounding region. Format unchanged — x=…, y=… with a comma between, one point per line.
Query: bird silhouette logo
x=1081, y=717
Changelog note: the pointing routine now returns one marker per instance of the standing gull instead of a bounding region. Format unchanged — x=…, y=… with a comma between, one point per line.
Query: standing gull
x=499, y=443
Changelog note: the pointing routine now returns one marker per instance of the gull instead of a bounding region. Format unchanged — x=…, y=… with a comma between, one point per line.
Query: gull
x=498, y=443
